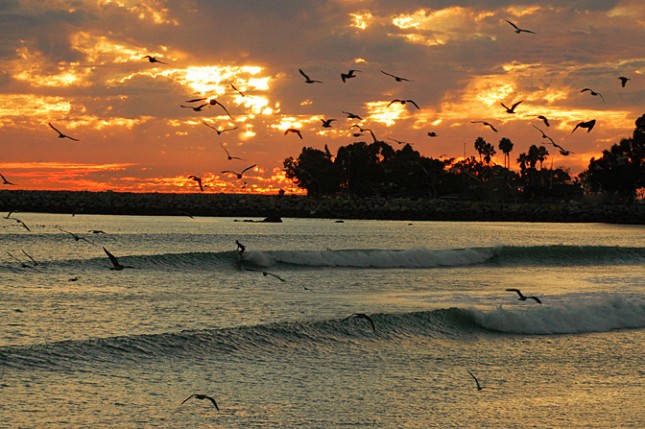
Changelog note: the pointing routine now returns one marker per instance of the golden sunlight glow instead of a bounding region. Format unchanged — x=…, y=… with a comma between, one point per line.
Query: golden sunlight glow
x=379, y=111
x=152, y=10
x=361, y=20
x=32, y=68
x=21, y=106
x=101, y=50
x=523, y=10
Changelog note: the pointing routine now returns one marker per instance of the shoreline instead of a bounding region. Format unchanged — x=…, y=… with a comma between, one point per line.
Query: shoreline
x=298, y=206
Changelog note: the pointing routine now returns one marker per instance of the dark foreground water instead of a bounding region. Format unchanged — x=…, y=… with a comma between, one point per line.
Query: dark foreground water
x=83, y=346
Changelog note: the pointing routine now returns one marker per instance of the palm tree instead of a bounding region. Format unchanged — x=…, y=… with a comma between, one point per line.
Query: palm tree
x=480, y=145
x=506, y=146
x=489, y=152
x=543, y=153
x=523, y=161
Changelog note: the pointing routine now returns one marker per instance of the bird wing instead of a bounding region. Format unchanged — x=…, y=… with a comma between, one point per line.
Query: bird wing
x=413, y=103
x=516, y=104
x=514, y=26
x=191, y=396
x=213, y=401
x=54, y=128
x=248, y=168
x=536, y=299
x=195, y=100
x=225, y=109
x=304, y=74
x=515, y=290
x=113, y=258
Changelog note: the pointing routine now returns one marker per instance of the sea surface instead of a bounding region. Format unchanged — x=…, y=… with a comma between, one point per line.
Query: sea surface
x=85, y=346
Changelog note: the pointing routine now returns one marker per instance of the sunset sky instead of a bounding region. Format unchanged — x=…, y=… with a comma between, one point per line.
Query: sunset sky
x=80, y=65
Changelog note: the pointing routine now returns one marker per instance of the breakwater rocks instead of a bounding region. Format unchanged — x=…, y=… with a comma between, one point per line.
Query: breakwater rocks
x=280, y=206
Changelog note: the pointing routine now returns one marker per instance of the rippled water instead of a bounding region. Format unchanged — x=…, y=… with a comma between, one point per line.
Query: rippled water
x=85, y=346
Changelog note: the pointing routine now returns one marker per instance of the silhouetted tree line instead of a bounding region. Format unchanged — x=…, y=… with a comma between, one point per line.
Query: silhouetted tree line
x=376, y=169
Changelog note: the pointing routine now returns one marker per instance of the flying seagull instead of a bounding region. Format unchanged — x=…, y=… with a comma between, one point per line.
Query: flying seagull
x=512, y=108
x=266, y=273
x=60, y=134
x=588, y=125
x=623, y=81
x=228, y=155
x=153, y=59
x=29, y=256
x=293, y=130
x=239, y=175
x=524, y=298
x=519, y=30
x=594, y=93
x=198, y=180
x=217, y=130
x=545, y=120
x=479, y=387
x=396, y=78
x=362, y=316
x=307, y=78
x=400, y=141
x=396, y=100
x=488, y=124
x=115, y=262
x=326, y=123
x=350, y=74
x=195, y=108
x=432, y=134
x=76, y=237
x=351, y=115
x=6, y=182
x=198, y=396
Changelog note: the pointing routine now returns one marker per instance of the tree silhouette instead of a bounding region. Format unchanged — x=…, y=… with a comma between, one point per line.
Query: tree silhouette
x=480, y=145
x=506, y=146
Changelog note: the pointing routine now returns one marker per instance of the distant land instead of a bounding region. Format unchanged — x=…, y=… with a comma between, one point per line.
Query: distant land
x=296, y=206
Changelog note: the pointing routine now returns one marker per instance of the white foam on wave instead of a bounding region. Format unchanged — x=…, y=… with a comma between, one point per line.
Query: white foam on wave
x=411, y=258
x=600, y=314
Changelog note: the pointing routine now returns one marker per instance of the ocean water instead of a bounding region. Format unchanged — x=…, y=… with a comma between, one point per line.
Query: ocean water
x=84, y=346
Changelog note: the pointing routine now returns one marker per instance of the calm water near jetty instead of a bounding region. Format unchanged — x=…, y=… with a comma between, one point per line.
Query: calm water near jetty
x=125, y=348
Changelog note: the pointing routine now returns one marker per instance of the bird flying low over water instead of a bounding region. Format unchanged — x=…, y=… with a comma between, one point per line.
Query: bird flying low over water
x=519, y=30
x=594, y=93
x=293, y=130
x=76, y=237
x=239, y=175
x=153, y=59
x=307, y=78
x=396, y=78
x=512, y=108
x=198, y=180
x=350, y=74
x=6, y=182
x=60, y=134
x=116, y=266
x=479, y=387
x=199, y=396
x=488, y=124
x=623, y=80
x=524, y=298
x=362, y=316
x=588, y=125
x=396, y=100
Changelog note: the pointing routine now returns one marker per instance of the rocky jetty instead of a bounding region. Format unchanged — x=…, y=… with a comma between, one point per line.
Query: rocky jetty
x=296, y=206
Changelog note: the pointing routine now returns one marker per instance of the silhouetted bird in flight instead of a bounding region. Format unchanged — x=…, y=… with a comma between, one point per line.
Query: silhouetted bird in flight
x=116, y=266
x=432, y=134
x=362, y=316
x=350, y=74
x=488, y=124
x=211, y=102
x=6, y=182
x=198, y=180
x=623, y=81
x=238, y=91
x=153, y=59
x=293, y=130
x=588, y=125
x=24, y=225
x=307, y=78
x=512, y=108
x=199, y=396
x=239, y=175
x=60, y=134
x=545, y=120
x=228, y=155
x=326, y=123
x=195, y=108
x=351, y=115
x=217, y=130
x=76, y=237
x=396, y=78
x=594, y=93
x=479, y=387
x=524, y=298
x=519, y=30
x=403, y=102
x=400, y=142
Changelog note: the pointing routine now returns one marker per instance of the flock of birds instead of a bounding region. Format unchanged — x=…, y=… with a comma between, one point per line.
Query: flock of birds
x=200, y=103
